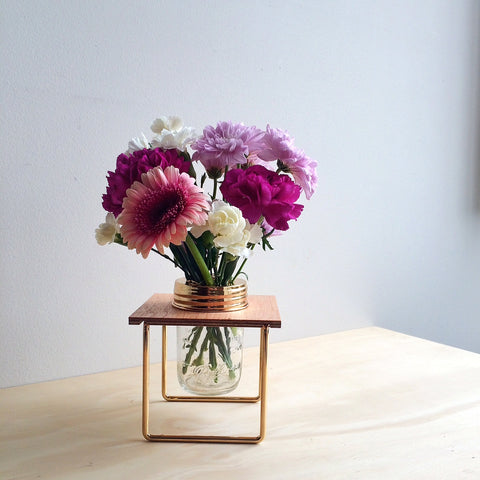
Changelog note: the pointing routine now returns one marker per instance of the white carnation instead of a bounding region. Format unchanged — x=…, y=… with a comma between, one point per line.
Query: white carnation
x=172, y=134
x=251, y=234
x=232, y=233
x=172, y=123
x=137, y=143
x=105, y=233
x=226, y=223
x=179, y=139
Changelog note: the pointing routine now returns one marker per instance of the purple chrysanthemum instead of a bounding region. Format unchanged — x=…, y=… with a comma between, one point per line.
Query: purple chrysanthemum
x=130, y=168
x=259, y=192
x=228, y=144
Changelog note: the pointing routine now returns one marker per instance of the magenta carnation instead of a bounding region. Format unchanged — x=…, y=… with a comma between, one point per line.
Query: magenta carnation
x=130, y=168
x=259, y=192
x=228, y=144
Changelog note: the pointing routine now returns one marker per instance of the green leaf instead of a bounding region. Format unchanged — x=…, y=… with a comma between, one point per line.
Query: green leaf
x=229, y=269
x=198, y=259
x=266, y=243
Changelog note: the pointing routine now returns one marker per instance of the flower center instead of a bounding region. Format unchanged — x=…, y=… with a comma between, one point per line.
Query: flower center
x=159, y=209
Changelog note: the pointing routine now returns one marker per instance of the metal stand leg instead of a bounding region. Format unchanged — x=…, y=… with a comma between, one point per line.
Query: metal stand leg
x=223, y=399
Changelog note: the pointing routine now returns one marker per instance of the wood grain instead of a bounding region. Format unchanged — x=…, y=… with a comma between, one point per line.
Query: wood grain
x=367, y=404
x=158, y=310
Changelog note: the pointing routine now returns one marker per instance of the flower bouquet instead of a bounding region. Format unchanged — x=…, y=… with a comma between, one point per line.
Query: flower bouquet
x=155, y=200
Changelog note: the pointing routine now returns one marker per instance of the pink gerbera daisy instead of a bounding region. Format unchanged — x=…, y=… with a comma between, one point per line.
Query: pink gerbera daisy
x=158, y=210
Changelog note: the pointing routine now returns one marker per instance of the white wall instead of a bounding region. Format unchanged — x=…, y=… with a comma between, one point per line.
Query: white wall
x=385, y=95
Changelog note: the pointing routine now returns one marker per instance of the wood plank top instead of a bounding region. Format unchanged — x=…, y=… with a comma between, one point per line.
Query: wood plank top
x=158, y=310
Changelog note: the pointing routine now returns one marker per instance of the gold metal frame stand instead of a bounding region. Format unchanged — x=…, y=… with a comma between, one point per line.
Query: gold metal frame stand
x=262, y=313
x=190, y=398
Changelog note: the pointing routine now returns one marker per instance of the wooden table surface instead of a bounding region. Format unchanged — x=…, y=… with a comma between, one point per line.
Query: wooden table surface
x=361, y=404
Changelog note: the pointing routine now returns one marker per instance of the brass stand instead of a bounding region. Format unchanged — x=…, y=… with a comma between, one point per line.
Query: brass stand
x=262, y=313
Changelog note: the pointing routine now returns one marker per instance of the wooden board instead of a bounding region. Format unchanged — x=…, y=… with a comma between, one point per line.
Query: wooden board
x=158, y=310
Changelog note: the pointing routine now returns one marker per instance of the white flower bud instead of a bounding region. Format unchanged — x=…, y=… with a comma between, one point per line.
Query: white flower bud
x=105, y=233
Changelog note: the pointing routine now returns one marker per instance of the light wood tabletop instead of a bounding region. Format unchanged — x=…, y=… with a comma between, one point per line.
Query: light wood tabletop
x=362, y=404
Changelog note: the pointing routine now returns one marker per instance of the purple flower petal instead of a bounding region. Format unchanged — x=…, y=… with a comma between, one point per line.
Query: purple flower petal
x=228, y=144
x=130, y=168
x=259, y=192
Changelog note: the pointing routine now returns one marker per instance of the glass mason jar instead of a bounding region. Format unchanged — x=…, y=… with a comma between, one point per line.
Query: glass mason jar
x=209, y=359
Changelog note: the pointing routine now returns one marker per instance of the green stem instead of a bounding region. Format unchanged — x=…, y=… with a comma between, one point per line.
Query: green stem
x=202, y=266
x=240, y=269
x=199, y=360
x=185, y=262
x=215, y=262
x=215, y=184
x=224, y=352
x=229, y=269
x=193, y=348
x=212, y=358
x=119, y=240
x=221, y=269
x=165, y=256
x=223, y=349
